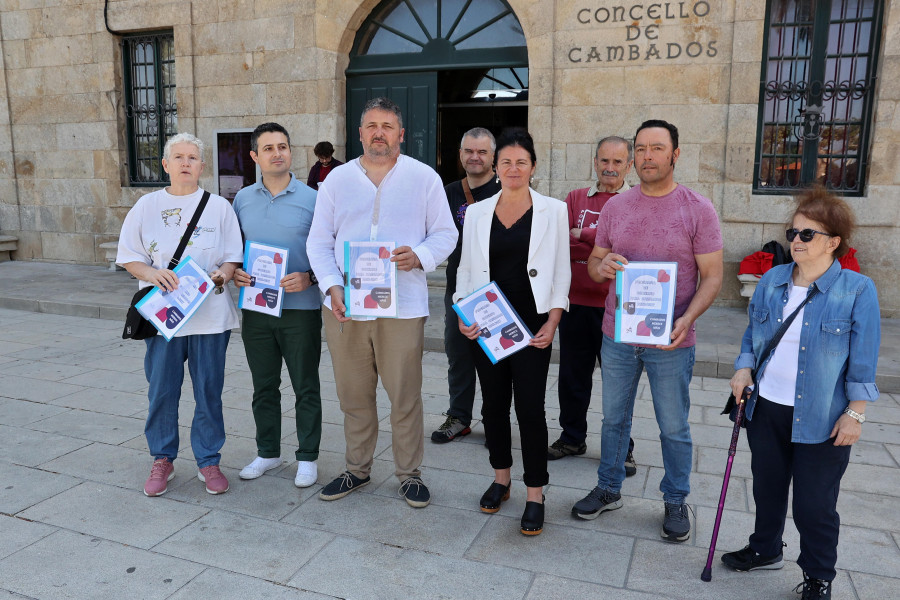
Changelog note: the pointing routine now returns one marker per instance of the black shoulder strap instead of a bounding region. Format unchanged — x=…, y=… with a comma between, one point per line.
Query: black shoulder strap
x=781, y=331
x=176, y=258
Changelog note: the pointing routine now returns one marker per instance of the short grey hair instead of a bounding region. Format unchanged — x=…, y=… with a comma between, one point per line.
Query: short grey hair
x=381, y=103
x=618, y=140
x=182, y=138
x=478, y=133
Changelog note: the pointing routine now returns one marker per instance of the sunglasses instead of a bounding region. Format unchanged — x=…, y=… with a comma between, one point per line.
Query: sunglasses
x=806, y=235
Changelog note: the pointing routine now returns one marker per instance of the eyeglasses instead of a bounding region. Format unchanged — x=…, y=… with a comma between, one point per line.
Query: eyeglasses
x=806, y=235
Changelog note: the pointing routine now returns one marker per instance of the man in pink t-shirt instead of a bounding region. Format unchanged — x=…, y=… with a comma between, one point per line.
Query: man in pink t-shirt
x=660, y=221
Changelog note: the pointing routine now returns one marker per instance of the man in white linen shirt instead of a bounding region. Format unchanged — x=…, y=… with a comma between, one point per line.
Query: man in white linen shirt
x=380, y=196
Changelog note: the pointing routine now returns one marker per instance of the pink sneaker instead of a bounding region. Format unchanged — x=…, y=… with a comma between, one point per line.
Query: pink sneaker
x=161, y=474
x=214, y=479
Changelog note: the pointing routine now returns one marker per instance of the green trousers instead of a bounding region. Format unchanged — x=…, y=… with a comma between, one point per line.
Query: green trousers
x=296, y=338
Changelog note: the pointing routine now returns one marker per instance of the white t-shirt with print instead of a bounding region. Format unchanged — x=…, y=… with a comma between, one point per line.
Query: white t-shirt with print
x=152, y=230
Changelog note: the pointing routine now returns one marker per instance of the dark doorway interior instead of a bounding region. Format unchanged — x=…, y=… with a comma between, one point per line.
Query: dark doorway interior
x=461, y=108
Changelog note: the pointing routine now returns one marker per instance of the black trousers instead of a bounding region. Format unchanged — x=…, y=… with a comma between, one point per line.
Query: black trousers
x=460, y=365
x=580, y=339
x=816, y=470
x=521, y=377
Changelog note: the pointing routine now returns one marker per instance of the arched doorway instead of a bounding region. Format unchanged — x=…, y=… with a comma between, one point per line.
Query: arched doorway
x=450, y=64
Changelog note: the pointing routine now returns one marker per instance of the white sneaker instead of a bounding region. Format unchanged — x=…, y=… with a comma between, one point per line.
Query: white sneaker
x=259, y=466
x=307, y=473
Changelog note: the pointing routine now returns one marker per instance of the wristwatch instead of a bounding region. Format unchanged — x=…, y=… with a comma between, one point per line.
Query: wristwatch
x=312, y=278
x=855, y=415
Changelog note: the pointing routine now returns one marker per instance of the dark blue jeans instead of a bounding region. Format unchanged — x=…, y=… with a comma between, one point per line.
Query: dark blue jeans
x=816, y=470
x=164, y=367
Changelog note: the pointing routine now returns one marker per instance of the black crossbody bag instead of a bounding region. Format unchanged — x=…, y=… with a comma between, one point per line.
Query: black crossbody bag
x=731, y=405
x=136, y=326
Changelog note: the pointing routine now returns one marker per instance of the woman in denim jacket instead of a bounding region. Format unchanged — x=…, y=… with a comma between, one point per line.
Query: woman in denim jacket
x=810, y=399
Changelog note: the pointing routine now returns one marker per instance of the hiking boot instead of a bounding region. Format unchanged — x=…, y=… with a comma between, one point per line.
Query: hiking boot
x=161, y=473
x=214, y=479
x=415, y=492
x=813, y=589
x=342, y=485
x=748, y=560
x=676, y=524
x=450, y=430
x=630, y=465
x=596, y=502
x=560, y=449
x=259, y=466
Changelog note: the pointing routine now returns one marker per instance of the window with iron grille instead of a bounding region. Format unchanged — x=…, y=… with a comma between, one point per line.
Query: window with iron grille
x=816, y=95
x=151, y=112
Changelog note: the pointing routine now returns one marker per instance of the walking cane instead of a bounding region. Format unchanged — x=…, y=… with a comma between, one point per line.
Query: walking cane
x=736, y=432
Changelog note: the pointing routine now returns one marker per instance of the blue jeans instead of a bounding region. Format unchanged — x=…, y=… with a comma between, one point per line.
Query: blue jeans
x=164, y=367
x=669, y=372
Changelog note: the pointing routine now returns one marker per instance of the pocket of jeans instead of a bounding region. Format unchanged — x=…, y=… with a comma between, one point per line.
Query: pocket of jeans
x=836, y=337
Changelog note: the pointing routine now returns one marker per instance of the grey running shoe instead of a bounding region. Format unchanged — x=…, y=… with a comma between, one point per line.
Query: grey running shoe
x=748, y=560
x=342, y=485
x=596, y=502
x=560, y=449
x=630, y=465
x=676, y=523
x=450, y=430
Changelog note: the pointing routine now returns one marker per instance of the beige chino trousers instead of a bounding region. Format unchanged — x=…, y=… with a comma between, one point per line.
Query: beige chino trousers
x=363, y=351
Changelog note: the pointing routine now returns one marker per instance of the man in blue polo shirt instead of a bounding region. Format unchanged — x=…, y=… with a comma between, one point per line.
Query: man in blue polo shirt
x=278, y=211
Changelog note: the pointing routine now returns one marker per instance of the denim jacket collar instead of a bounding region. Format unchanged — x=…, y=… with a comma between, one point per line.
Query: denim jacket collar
x=823, y=283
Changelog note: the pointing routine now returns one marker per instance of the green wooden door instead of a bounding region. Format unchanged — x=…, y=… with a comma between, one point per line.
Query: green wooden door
x=415, y=93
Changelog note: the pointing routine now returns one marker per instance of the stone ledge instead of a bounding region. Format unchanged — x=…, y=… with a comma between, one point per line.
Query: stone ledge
x=8, y=245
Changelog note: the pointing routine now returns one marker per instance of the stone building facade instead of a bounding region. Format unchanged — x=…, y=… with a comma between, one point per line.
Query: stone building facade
x=595, y=68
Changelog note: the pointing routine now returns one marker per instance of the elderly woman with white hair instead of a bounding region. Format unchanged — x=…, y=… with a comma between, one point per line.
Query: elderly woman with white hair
x=150, y=236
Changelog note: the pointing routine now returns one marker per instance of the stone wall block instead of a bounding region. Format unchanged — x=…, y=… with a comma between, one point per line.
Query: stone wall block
x=742, y=119
x=147, y=15
x=889, y=82
x=579, y=161
x=745, y=82
x=739, y=159
x=9, y=217
x=29, y=246
x=712, y=162
x=224, y=69
x=69, y=247
x=304, y=32
x=7, y=166
x=285, y=98
x=748, y=40
x=878, y=208
x=216, y=101
x=582, y=87
x=14, y=55
x=58, y=51
x=71, y=108
x=746, y=10
x=204, y=11
x=21, y=25
x=286, y=65
x=303, y=127
x=642, y=85
x=68, y=20
x=279, y=8
x=741, y=239
x=274, y=33
x=85, y=136
x=236, y=10
x=78, y=164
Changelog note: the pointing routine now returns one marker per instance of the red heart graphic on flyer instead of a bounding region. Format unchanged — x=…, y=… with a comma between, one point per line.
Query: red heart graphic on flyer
x=161, y=314
x=506, y=343
x=277, y=259
x=260, y=301
x=370, y=302
x=383, y=253
x=642, y=329
x=663, y=276
x=203, y=287
x=491, y=296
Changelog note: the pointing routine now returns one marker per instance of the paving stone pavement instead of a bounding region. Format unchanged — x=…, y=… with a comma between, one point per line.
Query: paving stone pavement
x=75, y=524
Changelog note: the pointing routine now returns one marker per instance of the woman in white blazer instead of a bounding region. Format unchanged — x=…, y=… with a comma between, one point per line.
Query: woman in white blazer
x=520, y=240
